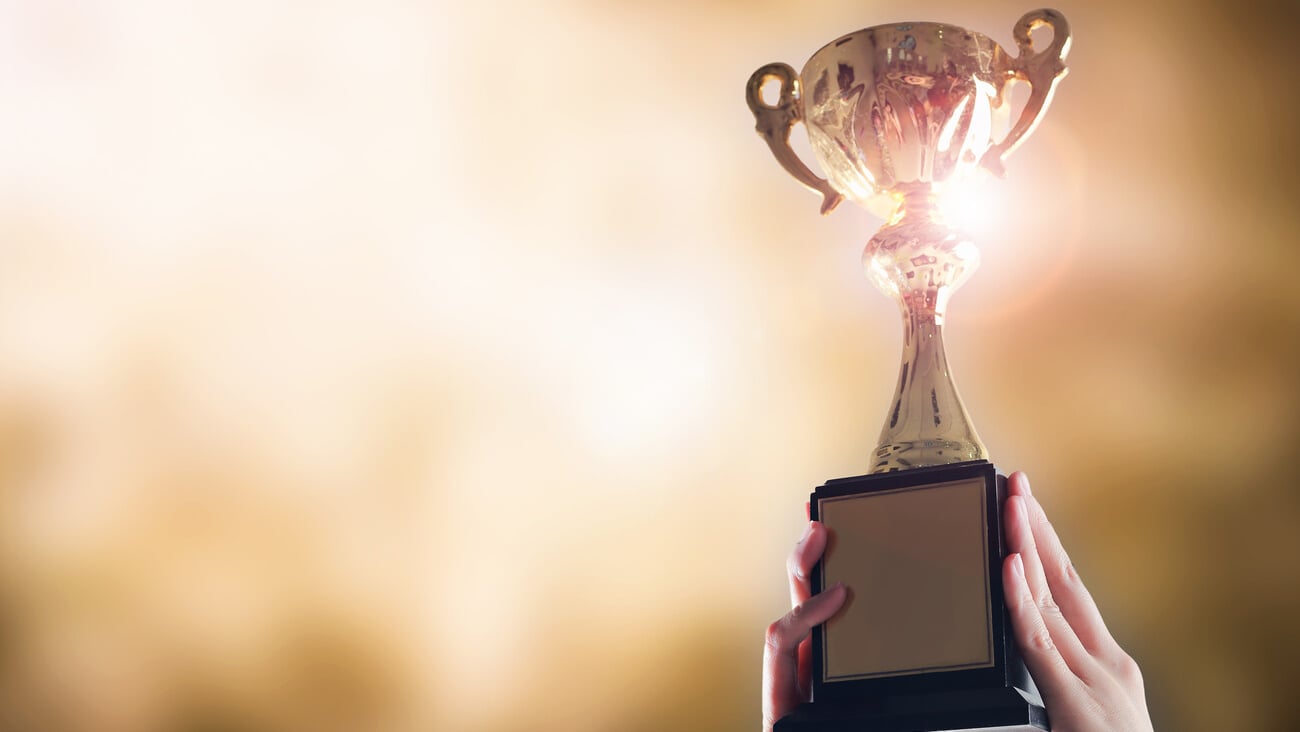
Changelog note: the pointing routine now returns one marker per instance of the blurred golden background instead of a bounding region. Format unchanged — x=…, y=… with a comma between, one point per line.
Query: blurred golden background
x=386, y=366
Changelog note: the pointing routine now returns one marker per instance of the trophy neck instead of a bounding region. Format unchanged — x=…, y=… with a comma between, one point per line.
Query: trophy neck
x=916, y=203
x=927, y=422
x=917, y=260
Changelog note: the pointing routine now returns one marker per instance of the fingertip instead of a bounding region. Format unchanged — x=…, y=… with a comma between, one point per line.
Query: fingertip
x=833, y=595
x=817, y=536
x=1018, y=484
x=839, y=594
x=811, y=529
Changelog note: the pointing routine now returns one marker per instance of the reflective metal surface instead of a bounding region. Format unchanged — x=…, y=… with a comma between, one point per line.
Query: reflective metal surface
x=899, y=110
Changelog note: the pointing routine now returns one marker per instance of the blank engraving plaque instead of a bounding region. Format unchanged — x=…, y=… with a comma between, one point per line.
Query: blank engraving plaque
x=917, y=560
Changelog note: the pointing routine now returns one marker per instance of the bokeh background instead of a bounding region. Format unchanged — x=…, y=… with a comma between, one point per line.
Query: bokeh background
x=465, y=366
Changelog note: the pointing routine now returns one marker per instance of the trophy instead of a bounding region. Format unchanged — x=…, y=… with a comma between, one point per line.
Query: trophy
x=923, y=642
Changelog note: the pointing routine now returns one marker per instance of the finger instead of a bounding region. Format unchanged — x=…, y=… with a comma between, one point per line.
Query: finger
x=1076, y=603
x=1042, y=656
x=781, y=691
x=803, y=558
x=1021, y=540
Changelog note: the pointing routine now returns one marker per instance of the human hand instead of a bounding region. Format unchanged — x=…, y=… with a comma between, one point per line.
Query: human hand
x=1087, y=681
x=787, y=662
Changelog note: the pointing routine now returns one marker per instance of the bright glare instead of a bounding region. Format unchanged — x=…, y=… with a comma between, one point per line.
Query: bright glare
x=971, y=205
x=950, y=128
x=642, y=380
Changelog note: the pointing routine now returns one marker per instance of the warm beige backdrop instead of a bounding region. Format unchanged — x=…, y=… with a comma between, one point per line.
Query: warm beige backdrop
x=384, y=365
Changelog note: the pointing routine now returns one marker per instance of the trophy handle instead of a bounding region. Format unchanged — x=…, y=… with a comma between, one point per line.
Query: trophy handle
x=774, y=123
x=1042, y=70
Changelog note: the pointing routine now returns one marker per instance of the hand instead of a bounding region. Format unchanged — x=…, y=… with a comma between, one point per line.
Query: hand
x=1087, y=681
x=787, y=663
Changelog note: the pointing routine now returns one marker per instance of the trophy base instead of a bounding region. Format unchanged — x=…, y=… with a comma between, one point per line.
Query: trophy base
x=924, y=642
x=986, y=710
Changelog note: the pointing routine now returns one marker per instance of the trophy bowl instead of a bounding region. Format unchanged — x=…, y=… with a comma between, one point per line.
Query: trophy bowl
x=906, y=105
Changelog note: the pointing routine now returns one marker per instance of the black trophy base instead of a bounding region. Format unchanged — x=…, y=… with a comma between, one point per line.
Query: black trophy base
x=928, y=647
x=986, y=710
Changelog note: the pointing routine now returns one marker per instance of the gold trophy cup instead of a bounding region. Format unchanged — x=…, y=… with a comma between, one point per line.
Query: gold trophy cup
x=899, y=111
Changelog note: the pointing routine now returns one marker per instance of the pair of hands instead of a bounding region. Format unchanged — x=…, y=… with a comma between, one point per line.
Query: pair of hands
x=1088, y=683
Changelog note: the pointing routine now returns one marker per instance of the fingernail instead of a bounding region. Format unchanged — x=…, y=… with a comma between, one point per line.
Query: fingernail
x=1024, y=480
x=1018, y=565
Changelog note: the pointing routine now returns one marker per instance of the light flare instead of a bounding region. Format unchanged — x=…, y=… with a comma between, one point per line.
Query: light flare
x=643, y=380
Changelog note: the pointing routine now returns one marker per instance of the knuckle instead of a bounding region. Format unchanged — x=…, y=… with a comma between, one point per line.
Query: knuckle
x=1074, y=583
x=775, y=637
x=774, y=634
x=1127, y=668
x=1070, y=574
x=796, y=612
x=1048, y=607
x=1040, y=641
x=792, y=564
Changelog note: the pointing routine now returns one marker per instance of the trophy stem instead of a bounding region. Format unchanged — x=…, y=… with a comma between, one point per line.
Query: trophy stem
x=927, y=422
x=919, y=261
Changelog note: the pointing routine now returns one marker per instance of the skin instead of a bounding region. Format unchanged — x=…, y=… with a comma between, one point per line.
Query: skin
x=1088, y=683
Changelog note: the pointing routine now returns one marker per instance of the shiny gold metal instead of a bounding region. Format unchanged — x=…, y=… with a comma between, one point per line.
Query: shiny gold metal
x=898, y=111
x=1042, y=70
x=775, y=122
